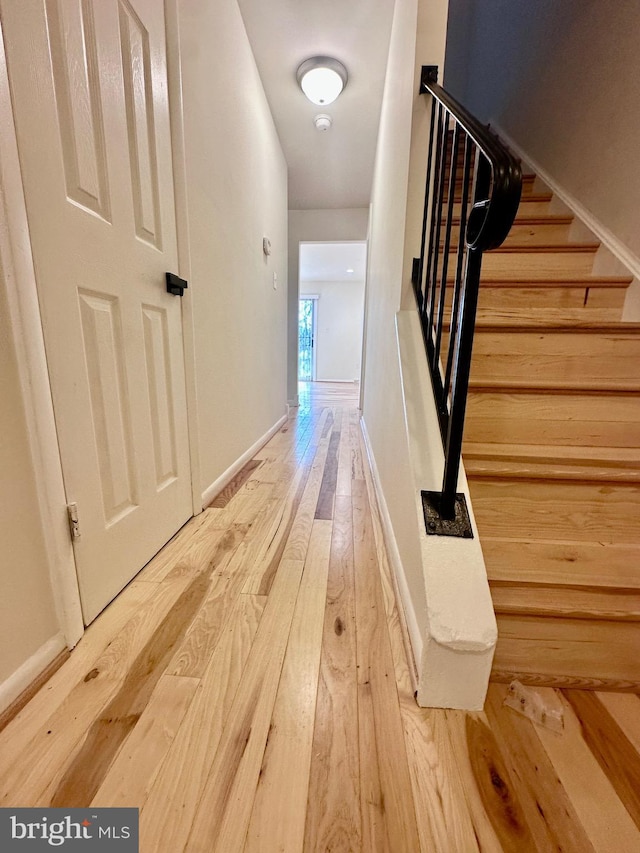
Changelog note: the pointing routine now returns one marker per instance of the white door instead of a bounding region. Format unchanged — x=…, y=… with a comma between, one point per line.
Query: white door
x=89, y=88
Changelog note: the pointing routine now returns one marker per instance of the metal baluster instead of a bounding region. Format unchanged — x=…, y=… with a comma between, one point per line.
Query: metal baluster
x=420, y=285
x=432, y=228
x=436, y=238
x=445, y=255
x=469, y=150
x=463, y=352
x=462, y=364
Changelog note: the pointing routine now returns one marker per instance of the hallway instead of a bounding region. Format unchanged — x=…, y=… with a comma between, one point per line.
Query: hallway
x=249, y=690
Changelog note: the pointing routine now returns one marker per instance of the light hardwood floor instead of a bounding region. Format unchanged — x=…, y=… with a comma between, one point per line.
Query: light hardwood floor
x=249, y=690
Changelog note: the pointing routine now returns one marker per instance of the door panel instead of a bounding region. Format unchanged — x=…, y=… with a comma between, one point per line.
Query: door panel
x=158, y=360
x=136, y=64
x=89, y=89
x=103, y=347
x=72, y=42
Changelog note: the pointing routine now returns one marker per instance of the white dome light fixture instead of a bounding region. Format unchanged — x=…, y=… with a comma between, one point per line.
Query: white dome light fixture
x=322, y=79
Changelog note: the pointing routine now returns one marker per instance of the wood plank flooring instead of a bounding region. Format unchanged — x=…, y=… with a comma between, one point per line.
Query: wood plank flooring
x=249, y=691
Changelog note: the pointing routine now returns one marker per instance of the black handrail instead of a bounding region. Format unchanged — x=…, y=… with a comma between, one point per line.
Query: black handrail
x=491, y=184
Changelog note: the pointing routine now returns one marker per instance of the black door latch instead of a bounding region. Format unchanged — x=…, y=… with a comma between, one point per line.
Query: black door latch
x=175, y=285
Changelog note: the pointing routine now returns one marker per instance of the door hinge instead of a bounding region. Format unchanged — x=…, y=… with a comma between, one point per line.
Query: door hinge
x=74, y=524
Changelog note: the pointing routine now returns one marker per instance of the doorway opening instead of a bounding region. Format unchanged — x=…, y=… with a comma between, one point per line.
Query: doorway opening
x=331, y=311
x=306, y=339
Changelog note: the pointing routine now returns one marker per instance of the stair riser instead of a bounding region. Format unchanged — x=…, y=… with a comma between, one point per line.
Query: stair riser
x=563, y=419
x=568, y=652
x=526, y=210
x=528, y=235
x=561, y=603
x=541, y=265
x=557, y=509
x=577, y=564
x=556, y=357
x=551, y=297
x=538, y=234
x=503, y=296
x=528, y=183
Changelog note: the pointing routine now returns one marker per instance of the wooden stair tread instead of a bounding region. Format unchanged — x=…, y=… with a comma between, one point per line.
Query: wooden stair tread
x=544, y=248
x=482, y=387
x=577, y=565
x=587, y=464
x=575, y=319
x=558, y=281
x=586, y=386
x=487, y=321
x=559, y=602
x=539, y=219
x=527, y=180
x=527, y=197
x=580, y=455
x=547, y=317
x=536, y=248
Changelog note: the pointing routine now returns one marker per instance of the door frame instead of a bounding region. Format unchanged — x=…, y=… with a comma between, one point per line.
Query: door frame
x=28, y=339
x=176, y=120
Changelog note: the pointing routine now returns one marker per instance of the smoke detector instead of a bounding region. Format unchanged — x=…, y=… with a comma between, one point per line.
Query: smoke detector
x=323, y=122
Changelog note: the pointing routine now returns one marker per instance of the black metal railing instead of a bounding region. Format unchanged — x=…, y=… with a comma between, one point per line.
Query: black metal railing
x=473, y=187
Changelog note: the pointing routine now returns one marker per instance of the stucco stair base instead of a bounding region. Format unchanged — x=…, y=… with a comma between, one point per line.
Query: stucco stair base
x=552, y=456
x=457, y=622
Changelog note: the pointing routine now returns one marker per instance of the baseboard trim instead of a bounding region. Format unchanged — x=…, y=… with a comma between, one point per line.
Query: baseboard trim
x=408, y=614
x=25, y=682
x=218, y=485
x=604, y=234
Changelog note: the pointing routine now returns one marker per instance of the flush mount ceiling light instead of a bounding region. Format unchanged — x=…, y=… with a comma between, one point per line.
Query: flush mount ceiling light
x=322, y=79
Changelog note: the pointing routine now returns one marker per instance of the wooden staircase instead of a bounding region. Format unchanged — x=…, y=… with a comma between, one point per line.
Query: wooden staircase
x=552, y=455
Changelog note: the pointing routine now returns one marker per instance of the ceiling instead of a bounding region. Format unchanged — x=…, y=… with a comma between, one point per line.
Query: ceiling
x=331, y=261
x=333, y=169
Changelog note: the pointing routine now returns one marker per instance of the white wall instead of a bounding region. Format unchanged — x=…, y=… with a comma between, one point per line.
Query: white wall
x=237, y=193
x=325, y=226
x=339, y=318
x=562, y=79
x=383, y=404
